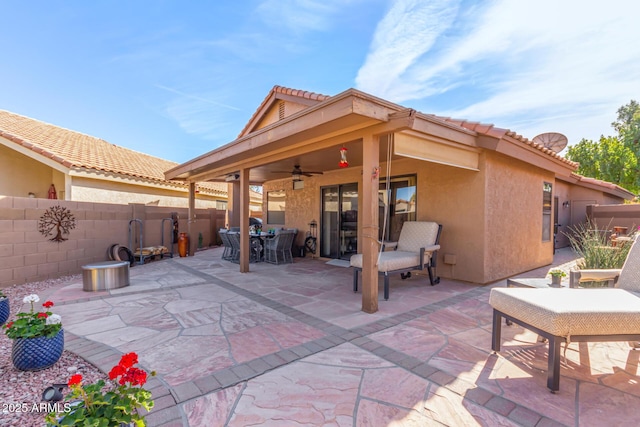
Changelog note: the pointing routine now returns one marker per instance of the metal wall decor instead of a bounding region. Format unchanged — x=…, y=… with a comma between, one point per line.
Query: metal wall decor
x=56, y=220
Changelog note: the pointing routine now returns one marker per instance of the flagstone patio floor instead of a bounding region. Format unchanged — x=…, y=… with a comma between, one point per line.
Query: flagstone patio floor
x=289, y=345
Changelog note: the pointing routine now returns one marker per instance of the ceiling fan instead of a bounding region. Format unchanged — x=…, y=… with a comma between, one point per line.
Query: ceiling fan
x=297, y=172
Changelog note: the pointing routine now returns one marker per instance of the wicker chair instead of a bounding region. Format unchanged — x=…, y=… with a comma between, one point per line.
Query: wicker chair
x=234, y=241
x=278, y=249
x=255, y=249
x=228, y=250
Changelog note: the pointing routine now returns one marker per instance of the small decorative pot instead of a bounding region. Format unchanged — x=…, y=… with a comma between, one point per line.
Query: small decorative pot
x=556, y=280
x=34, y=354
x=4, y=310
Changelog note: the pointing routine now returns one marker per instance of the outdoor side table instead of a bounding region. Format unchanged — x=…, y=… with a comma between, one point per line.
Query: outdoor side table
x=524, y=282
x=102, y=276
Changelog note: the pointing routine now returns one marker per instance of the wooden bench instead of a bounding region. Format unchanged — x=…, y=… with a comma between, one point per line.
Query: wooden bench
x=567, y=315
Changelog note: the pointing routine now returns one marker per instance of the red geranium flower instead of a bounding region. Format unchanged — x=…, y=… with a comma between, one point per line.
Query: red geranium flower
x=8, y=325
x=134, y=376
x=128, y=360
x=41, y=315
x=48, y=304
x=116, y=372
x=75, y=379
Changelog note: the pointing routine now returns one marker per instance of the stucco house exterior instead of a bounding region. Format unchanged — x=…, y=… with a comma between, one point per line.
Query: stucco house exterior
x=35, y=155
x=497, y=194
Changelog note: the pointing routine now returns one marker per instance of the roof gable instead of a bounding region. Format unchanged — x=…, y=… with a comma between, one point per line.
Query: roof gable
x=279, y=103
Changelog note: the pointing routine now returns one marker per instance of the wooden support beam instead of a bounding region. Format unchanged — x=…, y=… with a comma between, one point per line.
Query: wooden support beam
x=244, y=220
x=191, y=218
x=233, y=204
x=369, y=209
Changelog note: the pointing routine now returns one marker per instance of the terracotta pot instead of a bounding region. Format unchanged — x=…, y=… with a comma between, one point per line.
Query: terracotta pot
x=183, y=244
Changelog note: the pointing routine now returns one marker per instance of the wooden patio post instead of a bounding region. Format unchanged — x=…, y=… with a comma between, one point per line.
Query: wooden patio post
x=233, y=204
x=244, y=220
x=191, y=217
x=369, y=209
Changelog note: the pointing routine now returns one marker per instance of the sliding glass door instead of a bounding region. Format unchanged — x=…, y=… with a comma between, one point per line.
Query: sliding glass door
x=339, y=228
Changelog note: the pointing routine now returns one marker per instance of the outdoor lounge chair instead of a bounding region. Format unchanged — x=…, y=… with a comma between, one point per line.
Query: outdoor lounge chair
x=416, y=249
x=628, y=277
x=580, y=315
x=567, y=315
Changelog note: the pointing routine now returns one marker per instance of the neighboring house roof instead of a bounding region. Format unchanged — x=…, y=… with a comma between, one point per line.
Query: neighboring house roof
x=76, y=150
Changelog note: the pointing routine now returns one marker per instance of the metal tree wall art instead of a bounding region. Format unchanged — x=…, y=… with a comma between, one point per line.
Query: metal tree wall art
x=58, y=220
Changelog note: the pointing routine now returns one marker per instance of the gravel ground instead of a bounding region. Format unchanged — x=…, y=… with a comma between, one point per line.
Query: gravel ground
x=20, y=390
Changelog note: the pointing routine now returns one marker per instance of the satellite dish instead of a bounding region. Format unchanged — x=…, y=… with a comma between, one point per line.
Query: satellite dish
x=554, y=141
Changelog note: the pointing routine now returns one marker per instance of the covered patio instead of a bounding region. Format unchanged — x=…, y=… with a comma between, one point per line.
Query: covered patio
x=493, y=191
x=289, y=344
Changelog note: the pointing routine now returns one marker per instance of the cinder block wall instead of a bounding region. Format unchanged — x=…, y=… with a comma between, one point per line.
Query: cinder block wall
x=27, y=256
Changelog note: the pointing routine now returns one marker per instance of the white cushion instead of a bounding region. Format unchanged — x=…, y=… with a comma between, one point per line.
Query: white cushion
x=417, y=234
x=393, y=260
x=565, y=312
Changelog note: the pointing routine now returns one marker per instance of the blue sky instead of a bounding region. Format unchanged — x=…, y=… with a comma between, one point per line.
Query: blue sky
x=178, y=79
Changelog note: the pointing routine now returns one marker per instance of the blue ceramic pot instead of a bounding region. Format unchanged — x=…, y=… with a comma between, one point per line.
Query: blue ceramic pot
x=4, y=310
x=34, y=354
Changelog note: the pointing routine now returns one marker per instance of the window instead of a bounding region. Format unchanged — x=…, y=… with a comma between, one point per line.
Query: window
x=275, y=207
x=546, y=211
x=401, y=201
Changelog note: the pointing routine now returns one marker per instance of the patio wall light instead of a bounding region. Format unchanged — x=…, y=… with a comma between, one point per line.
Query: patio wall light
x=566, y=204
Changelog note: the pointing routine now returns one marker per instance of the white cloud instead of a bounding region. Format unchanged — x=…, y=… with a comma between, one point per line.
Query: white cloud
x=408, y=30
x=298, y=15
x=198, y=98
x=529, y=63
x=200, y=115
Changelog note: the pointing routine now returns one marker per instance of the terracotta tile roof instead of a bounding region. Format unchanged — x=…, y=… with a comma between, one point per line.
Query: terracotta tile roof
x=285, y=91
x=601, y=183
x=75, y=149
x=480, y=128
x=491, y=130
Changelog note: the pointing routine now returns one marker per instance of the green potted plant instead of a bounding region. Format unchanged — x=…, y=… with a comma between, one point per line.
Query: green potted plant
x=5, y=310
x=106, y=405
x=556, y=276
x=38, y=337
